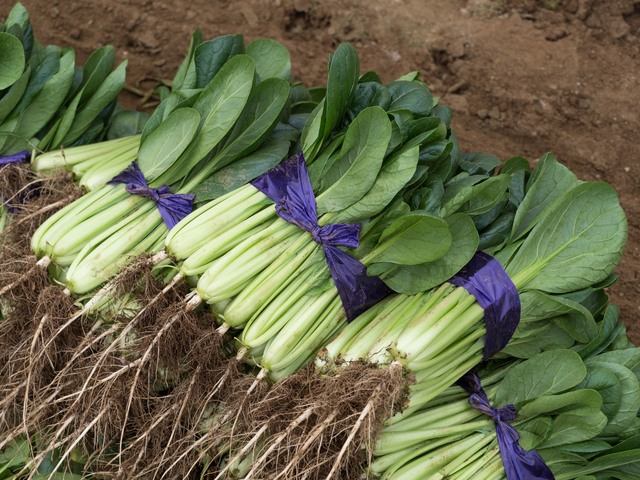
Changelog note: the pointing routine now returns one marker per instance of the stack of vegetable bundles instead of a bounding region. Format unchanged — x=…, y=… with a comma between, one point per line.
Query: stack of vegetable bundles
x=339, y=229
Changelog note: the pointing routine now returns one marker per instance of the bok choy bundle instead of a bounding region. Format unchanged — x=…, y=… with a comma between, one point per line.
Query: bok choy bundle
x=577, y=408
x=182, y=145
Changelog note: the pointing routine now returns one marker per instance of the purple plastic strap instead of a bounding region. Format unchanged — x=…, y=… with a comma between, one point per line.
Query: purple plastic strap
x=15, y=158
x=484, y=278
x=519, y=464
x=289, y=186
x=173, y=207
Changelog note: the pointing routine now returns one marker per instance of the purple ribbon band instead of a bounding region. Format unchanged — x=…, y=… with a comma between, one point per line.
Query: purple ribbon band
x=484, y=278
x=15, y=158
x=173, y=207
x=289, y=186
x=519, y=464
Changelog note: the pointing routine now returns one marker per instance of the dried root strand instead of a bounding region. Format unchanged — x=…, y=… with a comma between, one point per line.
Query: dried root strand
x=320, y=422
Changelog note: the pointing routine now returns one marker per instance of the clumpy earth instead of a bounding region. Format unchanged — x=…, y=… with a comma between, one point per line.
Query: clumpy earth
x=523, y=77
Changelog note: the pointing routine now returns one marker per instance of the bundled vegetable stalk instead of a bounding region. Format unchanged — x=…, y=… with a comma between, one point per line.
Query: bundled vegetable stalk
x=580, y=417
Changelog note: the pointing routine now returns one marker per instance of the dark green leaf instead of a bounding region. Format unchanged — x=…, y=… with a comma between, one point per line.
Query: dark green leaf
x=630, y=403
x=575, y=245
x=579, y=402
x=515, y=164
x=210, y=56
x=196, y=40
x=444, y=113
x=412, y=279
x=568, y=428
x=602, y=340
x=106, y=92
x=393, y=176
x=40, y=75
x=369, y=76
x=361, y=155
x=127, y=123
x=608, y=386
x=410, y=96
x=272, y=59
x=415, y=238
x=317, y=93
x=242, y=171
x=480, y=163
x=13, y=95
x=163, y=147
x=219, y=105
x=551, y=372
x=497, y=233
x=96, y=70
x=11, y=60
x=548, y=182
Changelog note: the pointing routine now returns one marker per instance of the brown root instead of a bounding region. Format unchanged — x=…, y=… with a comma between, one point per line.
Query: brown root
x=321, y=424
x=35, y=198
x=28, y=362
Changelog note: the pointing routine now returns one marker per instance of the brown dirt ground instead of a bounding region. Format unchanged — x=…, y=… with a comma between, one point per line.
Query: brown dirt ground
x=523, y=76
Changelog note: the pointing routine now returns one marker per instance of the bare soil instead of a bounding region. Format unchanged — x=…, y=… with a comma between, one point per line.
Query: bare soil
x=523, y=76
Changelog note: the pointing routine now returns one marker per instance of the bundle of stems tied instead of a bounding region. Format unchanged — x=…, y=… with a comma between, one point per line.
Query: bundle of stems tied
x=576, y=407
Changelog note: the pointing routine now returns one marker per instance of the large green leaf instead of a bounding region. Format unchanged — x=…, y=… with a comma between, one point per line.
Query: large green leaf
x=549, y=181
x=66, y=121
x=575, y=245
x=579, y=402
x=477, y=198
x=18, y=16
x=412, y=279
x=393, y=175
x=219, y=105
x=534, y=432
x=361, y=156
x=127, y=123
x=344, y=68
x=259, y=116
x=13, y=95
x=412, y=96
x=630, y=403
x=569, y=428
x=211, y=55
x=196, y=40
x=606, y=383
x=272, y=59
x=11, y=60
x=550, y=372
x=167, y=142
x=530, y=339
x=44, y=105
x=607, y=463
x=106, y=92
x=96, y=70
x=242, y=171
x=415, y=238
x=602, y=339
x=40, y=75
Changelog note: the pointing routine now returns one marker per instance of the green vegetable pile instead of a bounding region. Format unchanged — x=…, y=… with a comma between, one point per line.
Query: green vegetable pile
x=49, y=104
x=219, y=346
